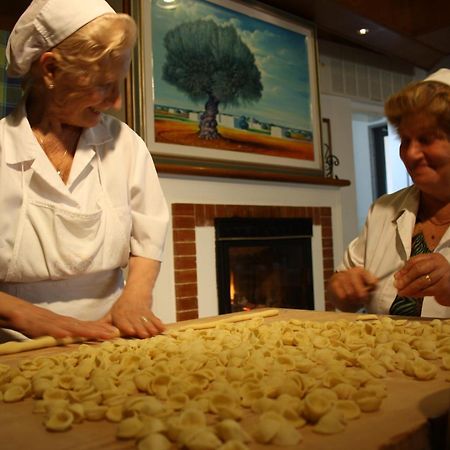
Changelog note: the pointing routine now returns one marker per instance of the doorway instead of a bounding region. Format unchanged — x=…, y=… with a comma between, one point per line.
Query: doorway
x=378, y=167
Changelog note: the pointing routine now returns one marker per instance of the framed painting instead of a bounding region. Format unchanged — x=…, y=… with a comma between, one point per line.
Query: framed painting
x=228, y=86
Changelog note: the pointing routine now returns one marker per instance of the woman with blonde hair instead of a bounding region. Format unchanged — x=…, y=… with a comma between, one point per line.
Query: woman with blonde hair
x=79, y=194
x=399, y=264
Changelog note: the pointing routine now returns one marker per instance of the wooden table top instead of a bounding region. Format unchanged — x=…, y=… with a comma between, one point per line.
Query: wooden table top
x=399, y=424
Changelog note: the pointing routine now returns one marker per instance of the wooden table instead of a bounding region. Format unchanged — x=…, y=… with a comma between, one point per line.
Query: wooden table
x=400, y=424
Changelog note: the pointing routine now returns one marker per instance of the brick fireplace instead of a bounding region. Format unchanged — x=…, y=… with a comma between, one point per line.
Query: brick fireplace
x=186, y=217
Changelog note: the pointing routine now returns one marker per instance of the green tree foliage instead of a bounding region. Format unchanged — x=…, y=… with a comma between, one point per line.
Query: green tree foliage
x=211, y=63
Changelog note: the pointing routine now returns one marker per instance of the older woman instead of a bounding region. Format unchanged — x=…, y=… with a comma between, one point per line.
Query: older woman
x=399, y=264
x=79, y=194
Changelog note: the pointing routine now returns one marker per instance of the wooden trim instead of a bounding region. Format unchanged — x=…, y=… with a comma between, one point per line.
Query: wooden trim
x=226, y=172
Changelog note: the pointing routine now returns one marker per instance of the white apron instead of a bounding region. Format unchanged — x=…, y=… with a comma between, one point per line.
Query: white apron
x=67, y=261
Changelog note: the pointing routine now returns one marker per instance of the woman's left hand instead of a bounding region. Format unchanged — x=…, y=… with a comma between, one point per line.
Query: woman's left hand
x=425, y=275
x=134, y=318
x=131, y=313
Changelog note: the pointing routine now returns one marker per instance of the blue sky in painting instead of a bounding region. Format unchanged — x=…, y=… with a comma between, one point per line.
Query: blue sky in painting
x=280, y=53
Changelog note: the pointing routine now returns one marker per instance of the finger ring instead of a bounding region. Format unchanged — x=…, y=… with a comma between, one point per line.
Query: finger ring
x=428, y=278
x=144, y=319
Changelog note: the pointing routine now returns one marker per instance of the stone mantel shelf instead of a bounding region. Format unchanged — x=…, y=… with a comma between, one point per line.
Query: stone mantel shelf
x=245, y=173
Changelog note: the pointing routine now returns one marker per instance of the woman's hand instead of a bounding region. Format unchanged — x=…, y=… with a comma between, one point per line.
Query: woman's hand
x=131, y=313
x=350, y=289
x=423, y=275
x=133, y=317
x=34, y=321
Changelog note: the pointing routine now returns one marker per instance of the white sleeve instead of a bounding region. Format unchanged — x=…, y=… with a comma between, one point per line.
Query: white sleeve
x=149, y=211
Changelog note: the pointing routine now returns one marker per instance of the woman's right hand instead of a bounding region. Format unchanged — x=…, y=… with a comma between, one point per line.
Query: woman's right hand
x=349, y=290
x=34, y=321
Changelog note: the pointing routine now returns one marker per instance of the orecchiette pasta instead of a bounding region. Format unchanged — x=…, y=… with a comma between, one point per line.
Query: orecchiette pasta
x=196, y=388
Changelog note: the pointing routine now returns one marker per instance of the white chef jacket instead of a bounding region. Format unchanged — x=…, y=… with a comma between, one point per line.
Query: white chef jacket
x=384, y=246
x=62, y=246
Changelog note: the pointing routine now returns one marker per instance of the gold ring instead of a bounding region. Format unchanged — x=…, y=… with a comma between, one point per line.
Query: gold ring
x=144, y=319
x=428, y=278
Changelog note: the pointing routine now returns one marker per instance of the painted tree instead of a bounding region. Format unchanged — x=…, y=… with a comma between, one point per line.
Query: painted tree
x=211, y=62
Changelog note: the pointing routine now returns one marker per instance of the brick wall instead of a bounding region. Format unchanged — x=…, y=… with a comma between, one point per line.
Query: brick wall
x=187, y=216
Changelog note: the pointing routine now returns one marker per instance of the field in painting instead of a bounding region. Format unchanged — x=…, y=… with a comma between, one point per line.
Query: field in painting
x=185, y=133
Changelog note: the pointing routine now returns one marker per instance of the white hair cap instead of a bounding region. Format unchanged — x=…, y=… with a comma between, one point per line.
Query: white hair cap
x=44, y=24
x=442, y=75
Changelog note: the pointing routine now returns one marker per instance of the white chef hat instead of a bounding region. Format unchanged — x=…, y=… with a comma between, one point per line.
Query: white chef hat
x=44, y=24
x=442, y=75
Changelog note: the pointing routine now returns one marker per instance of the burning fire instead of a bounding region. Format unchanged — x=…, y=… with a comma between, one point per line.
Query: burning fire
x=232, y=289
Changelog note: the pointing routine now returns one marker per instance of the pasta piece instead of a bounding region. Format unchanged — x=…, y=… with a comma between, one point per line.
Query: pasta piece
x=152, y=425
x=129, y=428
x=60, y=420
x=330, y=423
x=287, y=435
x=266, y=428
x=142, y=382
x=67, y=381
x=344, y=391
x=77, y=411
x=148, y=406
x=20, y=380
x=154, y=441
x=349, y=409
x=40, y=385
x=88, y=394
x=177, y=401
x=229, y=412
x=114, y=413
x=332, y=378
x=376, y=370
x=367, y=400
x=114, y=398
x=263, y=404
x=234, y=373
x=423, y=370
x=159, y=385
x=94, y=412
x=228, y=430
x=377, y=388
x=292, y=416
x=199, y=438
x=251, y=395
x=54, y=394
x=192, y=418
x=14, y=393
x=318, y=403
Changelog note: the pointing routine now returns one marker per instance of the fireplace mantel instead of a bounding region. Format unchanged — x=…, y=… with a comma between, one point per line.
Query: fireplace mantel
x=174, y=166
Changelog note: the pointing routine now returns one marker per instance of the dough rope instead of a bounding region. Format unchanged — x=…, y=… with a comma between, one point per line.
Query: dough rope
x=9, y=348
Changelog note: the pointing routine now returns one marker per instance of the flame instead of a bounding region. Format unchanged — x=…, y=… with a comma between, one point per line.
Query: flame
x=232, y=290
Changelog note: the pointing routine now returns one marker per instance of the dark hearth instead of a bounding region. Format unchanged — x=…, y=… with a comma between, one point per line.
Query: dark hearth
x=264, y=262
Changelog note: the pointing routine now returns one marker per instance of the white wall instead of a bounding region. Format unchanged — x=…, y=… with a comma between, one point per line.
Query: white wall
x=339, y=111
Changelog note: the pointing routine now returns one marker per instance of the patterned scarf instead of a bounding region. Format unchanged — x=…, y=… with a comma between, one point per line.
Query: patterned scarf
x=410, y=306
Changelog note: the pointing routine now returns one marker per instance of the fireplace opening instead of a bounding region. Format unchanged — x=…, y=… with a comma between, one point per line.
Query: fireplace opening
x=264, y=262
